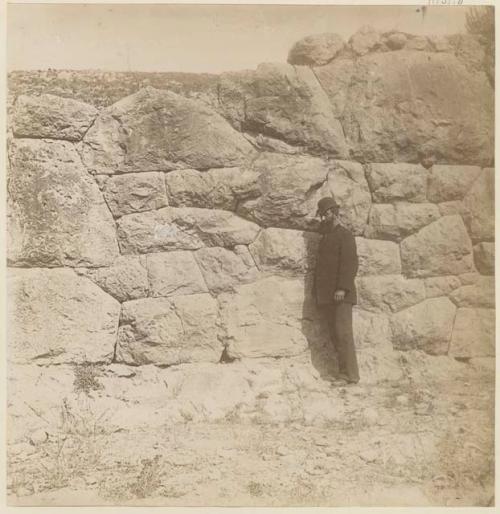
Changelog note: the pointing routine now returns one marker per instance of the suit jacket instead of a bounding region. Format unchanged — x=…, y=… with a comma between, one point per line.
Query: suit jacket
x=336, y=265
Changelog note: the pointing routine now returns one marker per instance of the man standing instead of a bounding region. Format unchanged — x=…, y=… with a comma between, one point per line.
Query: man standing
x=334, y=288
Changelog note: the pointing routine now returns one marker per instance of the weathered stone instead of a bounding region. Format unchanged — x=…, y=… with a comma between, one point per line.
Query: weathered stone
x=213, y=189
x=291, y=187
x=49, y=116
x=156, y=130
x=479, y=207
x=388, y=293
x=484, y=258
x=174, y=273
x=136, y=192
x=58, y=215
x=263, y=319
x=166, y=331
x=480, y=294
x=371, y=330
x=282, y=250
x=426, y=326
x=378, y=257
x=173, y=228
x=390, y=182
x=440, y=286
x=396, y=40
x=397, y=221
x=419, y=43
x=441, y=248
x=447, y=183
x=451, y=208
x=365, y=40
x=316, y=50
x=284, y=102
x=223, y=269
x=468, y=50
x=473, y=333
x=440, y=43
x=401, y=107
x=348, y=186
x=55, y=316
x=468, y=279
x=126, y=279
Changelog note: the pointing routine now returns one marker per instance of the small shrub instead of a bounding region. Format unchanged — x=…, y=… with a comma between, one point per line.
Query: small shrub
x=148, y=480
x=255, y=488
x=87, y=378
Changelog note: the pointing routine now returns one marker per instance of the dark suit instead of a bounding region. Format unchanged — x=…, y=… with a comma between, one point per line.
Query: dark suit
x=336, y=268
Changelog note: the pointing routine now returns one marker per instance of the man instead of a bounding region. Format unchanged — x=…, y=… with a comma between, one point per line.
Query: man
x=334, y=288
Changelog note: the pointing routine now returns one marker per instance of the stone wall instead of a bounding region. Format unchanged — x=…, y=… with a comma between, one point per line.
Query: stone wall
x=172, y=229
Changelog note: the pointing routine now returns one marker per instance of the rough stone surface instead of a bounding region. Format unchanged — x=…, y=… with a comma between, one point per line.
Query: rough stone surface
x=441, y=286
x=223, y=269
x=377, y=257
x=484, y=258
x=473, y=333
x=212, y=189
x=174, y=273
x=365, y=40
x=480, y=294
x=167, y=331
x=50, y=116
x=316, y=50
x=263, y=319
x=441, y=248
x=66, y=223
x=291, y=187
x=447, y=183
x=390, y=182
x=156, y=130
x=397, y=221
x=396, y=40
x=136, y=192
x=389, y=293
x=426, y=326
x=55, y=316
x=126, y=279
x=173, y=228
x=282, y=250
x=452, y=207
x=479, y=207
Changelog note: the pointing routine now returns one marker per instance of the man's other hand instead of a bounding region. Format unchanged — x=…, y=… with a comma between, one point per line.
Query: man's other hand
x=339, y=295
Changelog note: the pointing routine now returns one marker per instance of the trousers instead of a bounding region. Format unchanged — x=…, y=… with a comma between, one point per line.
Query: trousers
x=339, y=317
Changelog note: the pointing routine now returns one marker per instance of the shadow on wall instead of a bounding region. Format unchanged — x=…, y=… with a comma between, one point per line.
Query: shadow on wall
x=314, y=326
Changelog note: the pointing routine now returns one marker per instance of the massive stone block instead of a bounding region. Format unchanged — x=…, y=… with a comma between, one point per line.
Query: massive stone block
x=484, y=258
x=448, y=183
x=136, y=192
x=166, y=331
x=396, y=221
x=389, y=293
x=401, y=106
x=441, y=248
x=479, y=207
x=377, y=257
x=284, y=250
x=156, y=130
x=316, y=50
x=174, y=273
x=479, y=294
x=290, y=189
x=55, y=316
x=473, y=333
x=426, y=326
x=390, y=182
x=365, y=40
x=223, y=269
x=263, y=319
x=441, y=286
x=50, y=116
x=57, y=213
x=212, y=189
x=173, y=228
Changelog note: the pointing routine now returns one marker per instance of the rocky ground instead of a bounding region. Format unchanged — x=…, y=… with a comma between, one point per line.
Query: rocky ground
x=425, y=439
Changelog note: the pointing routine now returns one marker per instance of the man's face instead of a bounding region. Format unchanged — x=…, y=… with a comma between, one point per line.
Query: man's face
x=328, y=216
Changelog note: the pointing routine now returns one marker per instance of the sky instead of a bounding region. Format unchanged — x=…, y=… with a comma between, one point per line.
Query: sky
x=192, y=38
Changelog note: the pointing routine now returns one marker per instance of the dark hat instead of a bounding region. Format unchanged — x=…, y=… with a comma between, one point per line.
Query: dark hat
x=326, y=203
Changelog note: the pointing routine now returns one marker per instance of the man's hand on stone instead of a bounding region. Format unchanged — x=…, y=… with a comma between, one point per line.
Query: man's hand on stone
x=339, y=295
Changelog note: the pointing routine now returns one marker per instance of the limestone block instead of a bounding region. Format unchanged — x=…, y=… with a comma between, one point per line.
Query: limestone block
x=396, y=40
x=316, y=50
x=426, y=326
x=50, y=116
x=378, y=257
x=473, y=333
x=480, y=294
x=365, y=40
x=371, y=330
x=58, y=215
x=484, y=258
x=448, y=183
x=182, y=228
x=55, y=316
x=167, y=331
x=441, y=286
x=441, y=248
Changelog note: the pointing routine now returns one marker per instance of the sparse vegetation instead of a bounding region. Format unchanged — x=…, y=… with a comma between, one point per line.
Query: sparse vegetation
x=480, y=22
x=148, y=480
x=87, y=377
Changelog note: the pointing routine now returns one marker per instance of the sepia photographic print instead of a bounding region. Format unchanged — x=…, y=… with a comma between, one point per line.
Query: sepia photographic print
x=250, y=255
